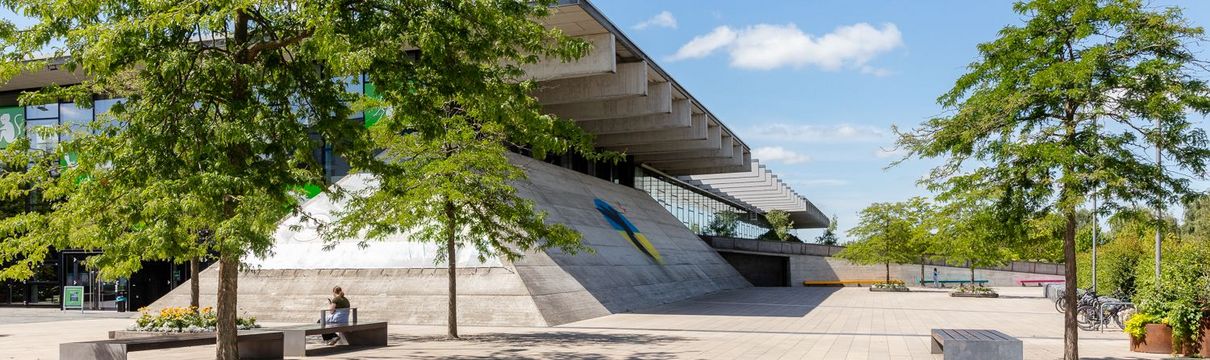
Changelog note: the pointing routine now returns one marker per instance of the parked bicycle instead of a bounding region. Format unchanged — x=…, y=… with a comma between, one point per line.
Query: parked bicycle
x=1083, y=297
x=1103, y=310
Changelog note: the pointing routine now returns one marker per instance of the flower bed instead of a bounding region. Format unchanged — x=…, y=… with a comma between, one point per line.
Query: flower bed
x=977, y=291
x=893, y=286
x=184, y=320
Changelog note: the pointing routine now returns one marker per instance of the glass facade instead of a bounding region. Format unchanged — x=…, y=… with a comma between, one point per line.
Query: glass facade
x=696, y=208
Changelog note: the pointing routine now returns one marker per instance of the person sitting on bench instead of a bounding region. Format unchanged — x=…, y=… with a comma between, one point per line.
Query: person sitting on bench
x=338, y=313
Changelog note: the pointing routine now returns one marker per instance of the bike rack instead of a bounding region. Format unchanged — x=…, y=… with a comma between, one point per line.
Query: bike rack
x=1101, y=322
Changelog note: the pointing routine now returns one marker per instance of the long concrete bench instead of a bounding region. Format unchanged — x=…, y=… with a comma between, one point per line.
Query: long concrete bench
x=253, y=344
x=364, y=334
x=964, y=344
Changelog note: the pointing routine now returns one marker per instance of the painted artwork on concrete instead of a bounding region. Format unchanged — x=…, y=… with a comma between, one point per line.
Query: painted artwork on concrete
x=627, y=229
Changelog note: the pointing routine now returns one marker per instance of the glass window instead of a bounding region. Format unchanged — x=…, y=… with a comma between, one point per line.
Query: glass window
x=76, y=119
x=39, y=141
x=103, y=106
x=48, y=111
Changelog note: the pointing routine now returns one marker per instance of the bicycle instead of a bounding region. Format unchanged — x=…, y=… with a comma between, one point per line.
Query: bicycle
x=1101, y=311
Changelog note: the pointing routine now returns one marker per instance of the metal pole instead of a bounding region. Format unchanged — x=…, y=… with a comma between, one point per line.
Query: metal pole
x=1094, y=240
x=1158, y=210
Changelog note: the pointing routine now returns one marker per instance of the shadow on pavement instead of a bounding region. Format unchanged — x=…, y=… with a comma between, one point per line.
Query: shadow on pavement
x=776, y=302
x=558, y=338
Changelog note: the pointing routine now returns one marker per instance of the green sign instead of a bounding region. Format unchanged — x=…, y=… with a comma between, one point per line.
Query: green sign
x=73, y=297
x=12, y=124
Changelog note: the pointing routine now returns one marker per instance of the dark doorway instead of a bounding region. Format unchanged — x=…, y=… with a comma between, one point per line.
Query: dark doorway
x=760, y=270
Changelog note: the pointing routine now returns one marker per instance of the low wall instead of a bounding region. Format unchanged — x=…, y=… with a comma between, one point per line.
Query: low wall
x=814, y=262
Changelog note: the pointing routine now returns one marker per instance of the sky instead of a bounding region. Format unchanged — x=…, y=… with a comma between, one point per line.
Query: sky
x=815, y=87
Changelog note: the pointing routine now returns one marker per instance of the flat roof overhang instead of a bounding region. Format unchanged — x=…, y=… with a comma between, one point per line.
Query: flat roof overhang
x=661, y=124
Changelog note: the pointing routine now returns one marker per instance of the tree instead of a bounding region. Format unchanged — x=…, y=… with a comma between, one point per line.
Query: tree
x=889, y=233
x=724, y=224
x=972, y=232
x=1197, y=217
x=445, y=175
x=780, y=226
x=829, y=235
x=220, y=133
x=1066, y=103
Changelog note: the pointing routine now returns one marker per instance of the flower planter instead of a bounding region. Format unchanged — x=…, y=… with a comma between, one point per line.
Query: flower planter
x=1158, y=340
x=891, y=289
x=974, y=295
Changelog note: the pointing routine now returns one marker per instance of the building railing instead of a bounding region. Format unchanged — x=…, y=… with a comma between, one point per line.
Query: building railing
x=797, y=248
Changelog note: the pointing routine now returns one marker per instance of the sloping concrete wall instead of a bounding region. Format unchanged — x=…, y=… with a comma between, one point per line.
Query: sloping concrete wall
x=545, y=288
x=618, y=277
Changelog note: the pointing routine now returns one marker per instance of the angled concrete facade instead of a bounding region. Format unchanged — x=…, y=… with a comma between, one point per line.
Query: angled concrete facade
x=542, y=289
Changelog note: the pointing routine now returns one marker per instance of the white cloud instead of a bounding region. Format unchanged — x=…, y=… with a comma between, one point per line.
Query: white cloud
x=703, y=45
x=779, y=154
x=766, y=46
x=664, y=19
x=820, y=133
x=882, y=153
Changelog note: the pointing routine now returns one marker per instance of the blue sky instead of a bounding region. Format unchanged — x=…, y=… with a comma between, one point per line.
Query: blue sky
x=821, y=117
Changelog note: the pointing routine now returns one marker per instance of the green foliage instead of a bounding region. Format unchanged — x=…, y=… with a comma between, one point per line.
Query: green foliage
x=829, y=235
x=973, y=232
x=227, y=103
x=1127, y=243
x=889, y=233
x=780, y=224
x=1136, y=325
x=724, y=223
x=1197, y=217
x=1183, y=295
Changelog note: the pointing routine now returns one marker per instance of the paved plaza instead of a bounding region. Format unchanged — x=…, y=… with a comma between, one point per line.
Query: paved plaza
x=753, y=323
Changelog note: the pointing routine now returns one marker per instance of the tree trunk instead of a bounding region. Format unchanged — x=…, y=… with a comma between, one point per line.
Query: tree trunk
x=888, y=272
x=921, y=270
x=972, y=274
x=193, y=285
x=228, y=277
x=451, y=250
x=1070, y=332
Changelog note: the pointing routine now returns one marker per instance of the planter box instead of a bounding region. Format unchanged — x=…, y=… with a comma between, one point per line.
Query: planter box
x=1159, y=341
x=130, y=334
x=898, y=289
x=974, y=295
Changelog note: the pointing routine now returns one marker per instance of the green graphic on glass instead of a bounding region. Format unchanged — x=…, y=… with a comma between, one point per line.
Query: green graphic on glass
x=73, y=297
x=12, y=125
x=373, y=114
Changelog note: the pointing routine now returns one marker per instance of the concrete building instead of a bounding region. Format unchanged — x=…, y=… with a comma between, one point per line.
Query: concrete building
x=642, y=217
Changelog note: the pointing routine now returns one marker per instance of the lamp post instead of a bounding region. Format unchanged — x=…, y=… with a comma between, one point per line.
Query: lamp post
x=1158, y=208
x=1095, y=220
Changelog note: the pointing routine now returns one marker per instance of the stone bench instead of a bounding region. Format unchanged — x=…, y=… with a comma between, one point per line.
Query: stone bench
x=364, y=334
x=964, y=344
x=253, y=344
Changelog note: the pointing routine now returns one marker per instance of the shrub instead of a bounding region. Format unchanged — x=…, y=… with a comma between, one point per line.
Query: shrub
x=184, y=319
x=1136, y=325
x=975, y=289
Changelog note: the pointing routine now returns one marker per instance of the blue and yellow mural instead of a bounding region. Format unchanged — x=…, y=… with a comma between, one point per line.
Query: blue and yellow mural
x=628, y=231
